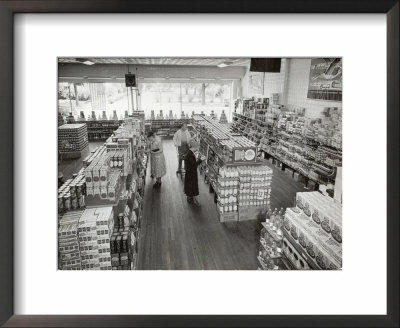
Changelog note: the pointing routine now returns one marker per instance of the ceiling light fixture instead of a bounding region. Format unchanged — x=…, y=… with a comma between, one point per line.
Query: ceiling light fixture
x=225, y=64
x=85, y=61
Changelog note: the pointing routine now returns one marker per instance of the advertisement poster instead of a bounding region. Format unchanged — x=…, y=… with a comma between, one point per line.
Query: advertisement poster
x=256, y=83
x=325, y=79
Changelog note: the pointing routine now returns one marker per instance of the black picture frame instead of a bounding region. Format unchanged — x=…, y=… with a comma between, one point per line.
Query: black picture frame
x=7, y=11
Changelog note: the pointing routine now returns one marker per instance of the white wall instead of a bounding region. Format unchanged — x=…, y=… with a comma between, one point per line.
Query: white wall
x=299, y=72
x=292, y=85
x=273, y=83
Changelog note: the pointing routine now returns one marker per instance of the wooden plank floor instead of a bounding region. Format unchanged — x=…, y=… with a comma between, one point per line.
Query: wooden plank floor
x=178, y=236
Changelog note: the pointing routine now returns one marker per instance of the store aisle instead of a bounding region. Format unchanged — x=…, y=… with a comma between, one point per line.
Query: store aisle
x=176, y=235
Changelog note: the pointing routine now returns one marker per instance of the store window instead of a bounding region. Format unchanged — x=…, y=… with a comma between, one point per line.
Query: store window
x=175, y=98
x=111, y=98
x=170, y=98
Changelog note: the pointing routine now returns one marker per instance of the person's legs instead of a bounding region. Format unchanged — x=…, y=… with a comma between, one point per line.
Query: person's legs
x=180, y=159
x=158, y=182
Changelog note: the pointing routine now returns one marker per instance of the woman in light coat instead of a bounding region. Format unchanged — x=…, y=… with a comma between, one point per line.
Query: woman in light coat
x=181, y=140
x=157, y=159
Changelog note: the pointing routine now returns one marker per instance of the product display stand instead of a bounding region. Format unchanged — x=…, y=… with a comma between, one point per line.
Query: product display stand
x=270, y=254
x=107, y=194
x=241, y=182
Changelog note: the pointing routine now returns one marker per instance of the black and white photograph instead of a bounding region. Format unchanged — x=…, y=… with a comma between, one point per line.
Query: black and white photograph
x=199, y=163
x=164, y=164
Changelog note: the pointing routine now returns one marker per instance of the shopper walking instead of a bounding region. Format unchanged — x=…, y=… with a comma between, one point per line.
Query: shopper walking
x=191, y=181
x=181, y=139
x=157, y=159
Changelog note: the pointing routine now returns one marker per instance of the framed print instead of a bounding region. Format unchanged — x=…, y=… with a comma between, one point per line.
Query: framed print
x=239, y=226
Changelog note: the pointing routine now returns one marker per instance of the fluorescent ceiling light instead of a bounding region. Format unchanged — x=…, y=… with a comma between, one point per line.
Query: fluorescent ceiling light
x=179, y=79
x=85, y=61
x=225, y=64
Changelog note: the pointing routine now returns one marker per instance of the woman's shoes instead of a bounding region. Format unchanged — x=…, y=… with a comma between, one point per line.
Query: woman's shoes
x=195, y=202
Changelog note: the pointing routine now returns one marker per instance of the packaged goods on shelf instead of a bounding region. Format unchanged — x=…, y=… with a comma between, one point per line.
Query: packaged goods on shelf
x=228, y=147
x=297, y=259
x=270, y=254
x=322, y=251
x=68, y=245
x=104, y=182
x=166, y=127
x=306, y=146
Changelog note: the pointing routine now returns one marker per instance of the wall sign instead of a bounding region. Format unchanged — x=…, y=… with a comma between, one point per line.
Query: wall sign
x=325, y=82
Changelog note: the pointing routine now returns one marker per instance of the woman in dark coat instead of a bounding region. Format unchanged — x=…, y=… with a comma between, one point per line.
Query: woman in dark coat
x=191, y=181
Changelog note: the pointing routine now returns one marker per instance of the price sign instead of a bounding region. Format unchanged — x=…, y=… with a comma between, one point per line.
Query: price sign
x=243, y=155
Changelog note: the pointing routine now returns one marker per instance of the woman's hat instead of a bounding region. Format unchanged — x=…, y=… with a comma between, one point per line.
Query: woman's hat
x=193, y=144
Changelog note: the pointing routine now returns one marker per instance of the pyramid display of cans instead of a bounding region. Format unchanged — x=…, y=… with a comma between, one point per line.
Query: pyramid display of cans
x=223, y=119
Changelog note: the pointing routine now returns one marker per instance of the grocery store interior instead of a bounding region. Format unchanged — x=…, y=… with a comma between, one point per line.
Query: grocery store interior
x=199, y=163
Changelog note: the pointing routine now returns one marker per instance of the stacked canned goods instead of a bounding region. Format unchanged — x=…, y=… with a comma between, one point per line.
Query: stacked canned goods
x=121, y=253
x=71, y=195
x=72, y=137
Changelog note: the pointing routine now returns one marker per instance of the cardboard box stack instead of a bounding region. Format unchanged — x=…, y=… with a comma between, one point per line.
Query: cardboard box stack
x=314, y=229
x=72, y=137
x=68, y=245
x=323, y=210
x=94, y=233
